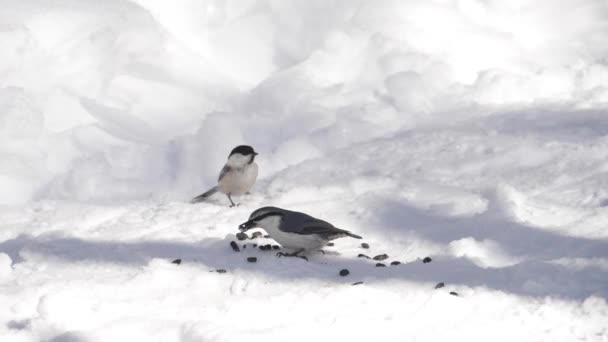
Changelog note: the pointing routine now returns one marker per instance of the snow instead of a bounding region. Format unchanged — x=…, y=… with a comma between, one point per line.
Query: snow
x=471, y=132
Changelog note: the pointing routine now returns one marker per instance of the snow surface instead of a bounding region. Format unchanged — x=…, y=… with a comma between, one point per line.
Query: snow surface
x=473, y=132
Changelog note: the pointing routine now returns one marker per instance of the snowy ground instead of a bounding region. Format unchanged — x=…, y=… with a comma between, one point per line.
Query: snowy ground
x=471, y=132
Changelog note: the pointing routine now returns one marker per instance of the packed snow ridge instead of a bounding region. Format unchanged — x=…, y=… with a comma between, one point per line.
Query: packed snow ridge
x=466, y=141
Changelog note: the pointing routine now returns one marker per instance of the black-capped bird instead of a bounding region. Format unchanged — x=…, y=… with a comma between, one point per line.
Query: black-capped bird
x=237, y=177
x=294, y=230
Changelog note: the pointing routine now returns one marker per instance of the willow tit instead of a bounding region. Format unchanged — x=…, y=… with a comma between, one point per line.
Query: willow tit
x=294, y=230
x=237, y=176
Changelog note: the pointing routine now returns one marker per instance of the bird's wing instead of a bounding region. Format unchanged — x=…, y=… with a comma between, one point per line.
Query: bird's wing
x=300, y=223
x=314, y=226
x=224, y=171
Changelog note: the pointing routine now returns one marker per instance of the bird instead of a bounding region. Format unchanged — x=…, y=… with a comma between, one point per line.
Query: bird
x=294, y=230
x=237, y=176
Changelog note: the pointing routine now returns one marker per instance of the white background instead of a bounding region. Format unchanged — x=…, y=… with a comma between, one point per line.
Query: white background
x=474, y=132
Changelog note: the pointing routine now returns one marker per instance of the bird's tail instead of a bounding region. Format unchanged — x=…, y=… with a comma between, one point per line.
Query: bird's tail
x=346, y=232
x=204, y=195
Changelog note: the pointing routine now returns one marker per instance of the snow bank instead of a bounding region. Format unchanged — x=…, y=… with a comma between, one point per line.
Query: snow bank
x=151, y=95
x=471, y=132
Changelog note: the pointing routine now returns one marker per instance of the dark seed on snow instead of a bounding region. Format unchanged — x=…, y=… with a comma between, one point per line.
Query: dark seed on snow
x=241, y=236
x=220, y=270
x=267, y=247
x=177, y=261
x=363, y=256
x=252, y=259
x=380, y=265
x=427, y=260
x=266, y=236
x=276, y=247
x=234, y=246
x=381, y=257
x=358, y=283
x=331, y=244
x=262, y=247
x=454, y=293
x=365, y=245
x=395, y=263
x=439, y=285
x=256, y=235
x=255, y=245
x=344, y=272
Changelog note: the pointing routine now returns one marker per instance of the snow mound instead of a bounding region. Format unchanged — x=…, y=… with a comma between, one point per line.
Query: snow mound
x=97, y=86
x=465, y=140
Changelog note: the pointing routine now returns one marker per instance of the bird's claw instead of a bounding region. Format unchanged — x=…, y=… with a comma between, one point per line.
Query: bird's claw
x=281, y=254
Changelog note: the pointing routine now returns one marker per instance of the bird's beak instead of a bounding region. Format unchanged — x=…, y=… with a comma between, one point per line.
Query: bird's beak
x=255, y=153
x=247, y=225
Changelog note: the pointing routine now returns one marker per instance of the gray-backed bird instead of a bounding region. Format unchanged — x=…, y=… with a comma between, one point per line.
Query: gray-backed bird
x=294, y=230
x=237, y=176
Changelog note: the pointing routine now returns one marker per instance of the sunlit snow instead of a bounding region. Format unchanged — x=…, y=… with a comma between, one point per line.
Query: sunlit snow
x=472, y=132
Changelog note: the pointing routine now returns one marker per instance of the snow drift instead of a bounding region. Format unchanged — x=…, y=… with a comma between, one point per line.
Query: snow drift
x=474, y=132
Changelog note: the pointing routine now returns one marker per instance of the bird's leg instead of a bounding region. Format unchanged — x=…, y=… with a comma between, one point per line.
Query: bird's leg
x=231, y=202
x=294, y=254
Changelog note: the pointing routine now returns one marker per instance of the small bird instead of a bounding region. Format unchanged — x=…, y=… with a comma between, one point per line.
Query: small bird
x=237, y=176
x=294, y=230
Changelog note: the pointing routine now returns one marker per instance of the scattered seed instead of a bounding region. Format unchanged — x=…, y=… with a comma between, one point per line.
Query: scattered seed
x=365, y=245
x=252, y=259
x=220, y=270
x=234, y=246
x=395, y=263
x=363, y=256
x=276, y=247
x=439, y=285
x=262, y=247
x=380, y=265
x=256, y=235
x=255, y=245
x=427, y=260
x=331, y=244
x=177, y=261
x=381, y=257
x=241, y=236
x=357, y=283
x=267, y=247
x=344, y=272
x=454, y=293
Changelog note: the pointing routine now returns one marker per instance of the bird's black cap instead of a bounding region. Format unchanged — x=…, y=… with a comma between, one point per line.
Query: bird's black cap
x=245, y=150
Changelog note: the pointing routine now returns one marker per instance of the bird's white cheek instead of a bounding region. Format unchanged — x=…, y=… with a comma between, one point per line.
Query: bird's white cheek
x=270, y=224
x=238, y=160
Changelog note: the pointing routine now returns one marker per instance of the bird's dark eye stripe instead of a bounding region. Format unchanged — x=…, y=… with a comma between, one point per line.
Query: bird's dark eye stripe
x=265, y=215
